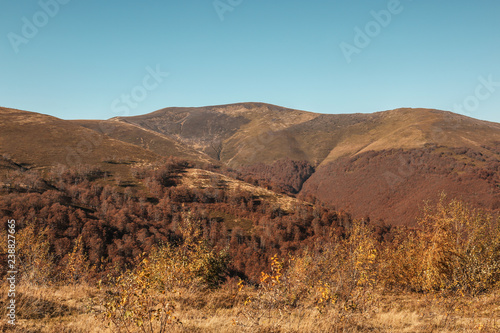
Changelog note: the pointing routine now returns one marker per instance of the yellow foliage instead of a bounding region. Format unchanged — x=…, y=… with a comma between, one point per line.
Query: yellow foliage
x=454, y=248
x=139, y=298
x=77, y=267
x=35, y=262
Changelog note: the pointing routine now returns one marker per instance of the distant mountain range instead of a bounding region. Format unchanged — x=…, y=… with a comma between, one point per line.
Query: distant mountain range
x=383, y=165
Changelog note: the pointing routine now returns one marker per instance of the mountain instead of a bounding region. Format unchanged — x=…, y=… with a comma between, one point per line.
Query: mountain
x=235, y=134
x=382, y=165
x=249, y=133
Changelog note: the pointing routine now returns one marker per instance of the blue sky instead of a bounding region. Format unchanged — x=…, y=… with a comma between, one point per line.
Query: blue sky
x=96, y=59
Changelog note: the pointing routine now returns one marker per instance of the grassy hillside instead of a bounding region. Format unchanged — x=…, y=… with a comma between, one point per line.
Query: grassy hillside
x=250, y=133
x=155, y=142
x=34, y=140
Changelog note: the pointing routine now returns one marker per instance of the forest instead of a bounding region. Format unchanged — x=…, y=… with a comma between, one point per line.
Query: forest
x=117, y=222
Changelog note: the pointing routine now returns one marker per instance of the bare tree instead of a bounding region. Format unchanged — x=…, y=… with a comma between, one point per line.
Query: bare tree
x=216, y=145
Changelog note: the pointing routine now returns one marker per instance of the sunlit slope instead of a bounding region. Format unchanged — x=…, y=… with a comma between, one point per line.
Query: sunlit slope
x=35, y=140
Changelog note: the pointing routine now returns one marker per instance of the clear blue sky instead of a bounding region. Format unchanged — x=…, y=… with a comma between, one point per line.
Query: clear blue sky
x=88, y=54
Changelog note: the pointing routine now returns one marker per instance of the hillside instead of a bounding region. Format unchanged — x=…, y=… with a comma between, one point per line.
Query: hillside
x=117, y=223
x=248, y=133
x=200, y=249
x=31, y=140
x=253, y=137
x=155, y=142
x=382, y=165
x=393, y=184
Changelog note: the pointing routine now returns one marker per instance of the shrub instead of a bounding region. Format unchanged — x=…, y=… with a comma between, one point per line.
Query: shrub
x=454, y=248
x=139, y=298
x=35, y=262
x=132, y=303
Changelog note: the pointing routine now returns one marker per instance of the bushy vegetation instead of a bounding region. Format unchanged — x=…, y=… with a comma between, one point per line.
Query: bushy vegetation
x=454, y=248
x=284, y=175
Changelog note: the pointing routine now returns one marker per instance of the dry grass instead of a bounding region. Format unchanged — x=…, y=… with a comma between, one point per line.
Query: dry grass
x=156, y=142
x=40, y=141
x=50, y=309
x=66, y=309
x=198, y=178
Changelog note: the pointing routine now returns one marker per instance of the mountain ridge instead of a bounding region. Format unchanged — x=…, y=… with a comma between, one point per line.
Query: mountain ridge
x=270, y=124
x=369, y=163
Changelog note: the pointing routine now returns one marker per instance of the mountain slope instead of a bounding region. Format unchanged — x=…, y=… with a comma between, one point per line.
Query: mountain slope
x=383, y=164
x=34, y=140
x=393, y=184
x=153, y=141
x=231, y=133
x=248, y=133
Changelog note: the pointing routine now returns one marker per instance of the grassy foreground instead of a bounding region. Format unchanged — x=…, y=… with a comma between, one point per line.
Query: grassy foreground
x=66, y=309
